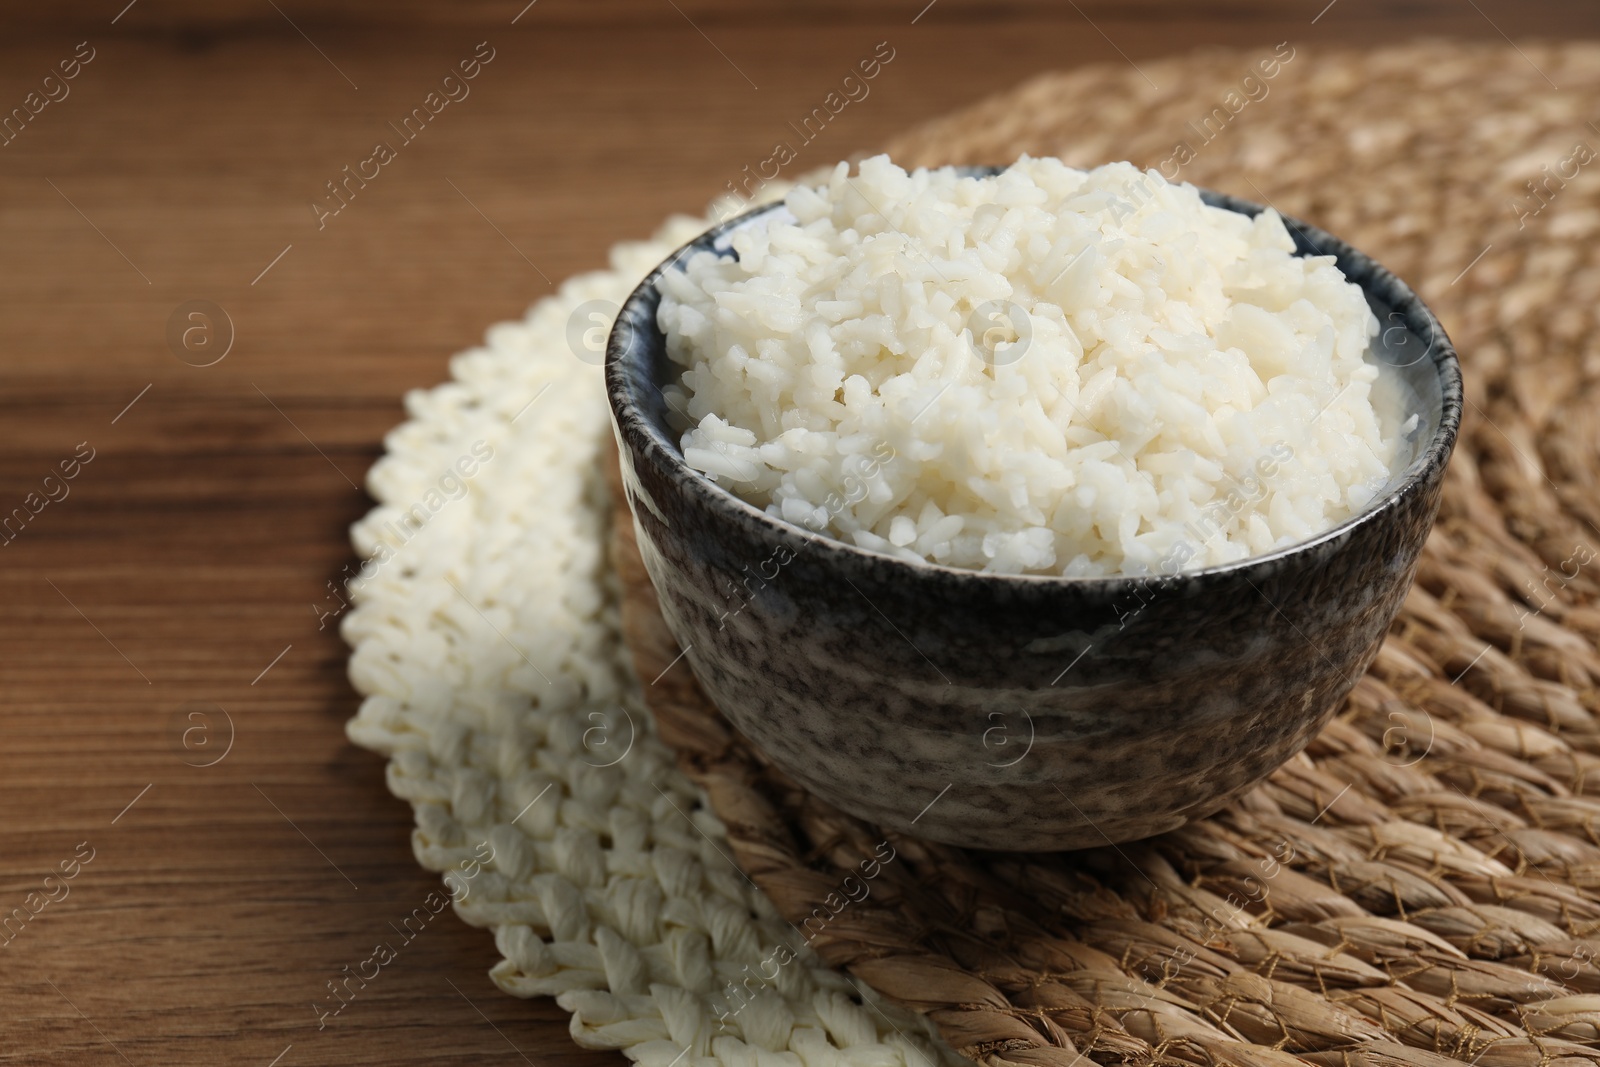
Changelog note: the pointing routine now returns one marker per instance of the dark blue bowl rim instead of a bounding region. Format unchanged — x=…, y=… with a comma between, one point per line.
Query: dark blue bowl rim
x=637, y=430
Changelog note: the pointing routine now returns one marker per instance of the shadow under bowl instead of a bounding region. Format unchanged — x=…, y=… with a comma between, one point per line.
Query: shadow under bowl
x=1024, y=712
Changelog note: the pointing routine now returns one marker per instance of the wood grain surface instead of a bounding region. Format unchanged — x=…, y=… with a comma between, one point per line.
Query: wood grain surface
x=162, y=611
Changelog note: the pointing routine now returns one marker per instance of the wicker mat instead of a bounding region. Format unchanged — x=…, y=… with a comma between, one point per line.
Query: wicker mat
x=1422, y=885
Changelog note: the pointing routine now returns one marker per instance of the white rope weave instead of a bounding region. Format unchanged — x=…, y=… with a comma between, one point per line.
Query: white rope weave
x=486, y=644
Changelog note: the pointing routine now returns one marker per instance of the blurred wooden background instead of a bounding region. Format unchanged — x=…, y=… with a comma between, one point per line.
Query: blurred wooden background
x=179, y=573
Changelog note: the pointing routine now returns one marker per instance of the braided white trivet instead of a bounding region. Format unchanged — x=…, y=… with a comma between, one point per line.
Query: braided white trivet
x=486, y=642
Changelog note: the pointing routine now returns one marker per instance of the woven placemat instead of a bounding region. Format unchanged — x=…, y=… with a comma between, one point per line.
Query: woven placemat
x=486, y=643
x=1422, y=885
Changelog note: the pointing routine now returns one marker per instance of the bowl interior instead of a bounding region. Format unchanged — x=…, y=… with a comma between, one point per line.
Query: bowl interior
x=1419, y=374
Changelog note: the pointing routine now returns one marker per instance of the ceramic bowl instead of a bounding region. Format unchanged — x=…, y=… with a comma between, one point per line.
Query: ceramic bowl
x=1024, y=712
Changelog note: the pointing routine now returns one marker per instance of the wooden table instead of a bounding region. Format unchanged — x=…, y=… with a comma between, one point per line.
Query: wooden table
x=163, y=604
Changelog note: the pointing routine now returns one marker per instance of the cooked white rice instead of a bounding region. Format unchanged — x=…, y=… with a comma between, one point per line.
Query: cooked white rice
x=1048, y=371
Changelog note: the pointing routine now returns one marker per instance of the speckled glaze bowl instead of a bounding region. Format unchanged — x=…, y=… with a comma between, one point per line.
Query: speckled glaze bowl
x=1024, y=712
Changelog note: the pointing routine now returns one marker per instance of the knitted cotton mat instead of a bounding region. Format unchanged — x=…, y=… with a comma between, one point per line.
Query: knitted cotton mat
x=1420, y=888
x=486, y=643
x=1422, y=885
